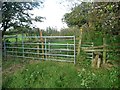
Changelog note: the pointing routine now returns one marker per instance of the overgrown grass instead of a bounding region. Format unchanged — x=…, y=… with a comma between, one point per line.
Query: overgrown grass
x=61, y=75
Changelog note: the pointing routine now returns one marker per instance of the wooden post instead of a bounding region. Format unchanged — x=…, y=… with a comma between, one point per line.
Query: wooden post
x=38, y=40
x=79, y=45
x=41, y=39
x=92, y=52
x=104, y=50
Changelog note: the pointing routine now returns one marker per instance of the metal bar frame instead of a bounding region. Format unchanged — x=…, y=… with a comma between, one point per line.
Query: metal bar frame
x=44, y=44
x=74, y=52
x=44, y=54
x=50, y=36
x=43, y=49
x=43, y=58
x=47, y=48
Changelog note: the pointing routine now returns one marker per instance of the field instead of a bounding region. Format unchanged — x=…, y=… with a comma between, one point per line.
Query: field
x=49, y=74
x=29, y=73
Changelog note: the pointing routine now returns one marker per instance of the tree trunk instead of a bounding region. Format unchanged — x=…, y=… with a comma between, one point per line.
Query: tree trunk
x=4, y=25
x=3, y=32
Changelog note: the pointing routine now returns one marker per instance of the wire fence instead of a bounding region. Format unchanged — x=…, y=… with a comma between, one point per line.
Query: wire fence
x=56, y=48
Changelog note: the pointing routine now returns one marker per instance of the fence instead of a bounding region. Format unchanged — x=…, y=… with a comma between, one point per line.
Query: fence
x=109, y=51
x=56, y=48
x=88, y=45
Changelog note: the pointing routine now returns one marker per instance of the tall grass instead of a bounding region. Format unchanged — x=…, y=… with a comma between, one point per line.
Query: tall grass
x=61, y=75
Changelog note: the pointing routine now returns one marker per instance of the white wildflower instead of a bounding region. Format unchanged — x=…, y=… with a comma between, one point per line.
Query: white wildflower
x=83, y=82
x=83, y=69
x=93, y=74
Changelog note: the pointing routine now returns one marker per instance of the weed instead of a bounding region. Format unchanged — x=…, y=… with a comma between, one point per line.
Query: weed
x=61, y=75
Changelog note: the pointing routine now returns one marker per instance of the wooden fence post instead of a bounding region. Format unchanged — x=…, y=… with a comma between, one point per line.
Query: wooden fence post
x=79, y=45
x=41, y=39
x=104, y=50
x=37, y=39
x=92, y=52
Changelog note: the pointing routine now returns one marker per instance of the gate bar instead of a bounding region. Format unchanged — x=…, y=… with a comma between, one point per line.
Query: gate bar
x=74, y=52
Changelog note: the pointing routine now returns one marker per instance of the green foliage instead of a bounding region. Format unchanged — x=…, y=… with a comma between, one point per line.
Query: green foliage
x=102, y=17
x=71, y=31
x=15, y=14
x=50, y=31
x=99, y=79
x=77, y=16
x=61, y=75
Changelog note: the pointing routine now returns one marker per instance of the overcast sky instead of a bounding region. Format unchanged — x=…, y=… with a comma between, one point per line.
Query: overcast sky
x=53, y=11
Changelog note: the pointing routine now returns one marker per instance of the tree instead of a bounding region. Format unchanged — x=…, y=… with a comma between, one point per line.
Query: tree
x=70, y=31
x=103, y=17
x=50, y=31
x=99, y=17
x=78, y=15
x=16, y=14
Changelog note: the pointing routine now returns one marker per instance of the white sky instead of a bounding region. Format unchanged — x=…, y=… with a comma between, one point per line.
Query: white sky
x=53, y=11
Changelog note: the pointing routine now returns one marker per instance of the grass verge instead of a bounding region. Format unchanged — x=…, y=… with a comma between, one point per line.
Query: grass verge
x=61, y=75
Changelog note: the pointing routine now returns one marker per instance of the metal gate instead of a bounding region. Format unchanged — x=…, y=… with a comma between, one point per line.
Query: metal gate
x=56, y=48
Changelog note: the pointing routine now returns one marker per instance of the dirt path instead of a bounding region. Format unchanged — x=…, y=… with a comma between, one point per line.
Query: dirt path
x=16, y=67
x=12, y=69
